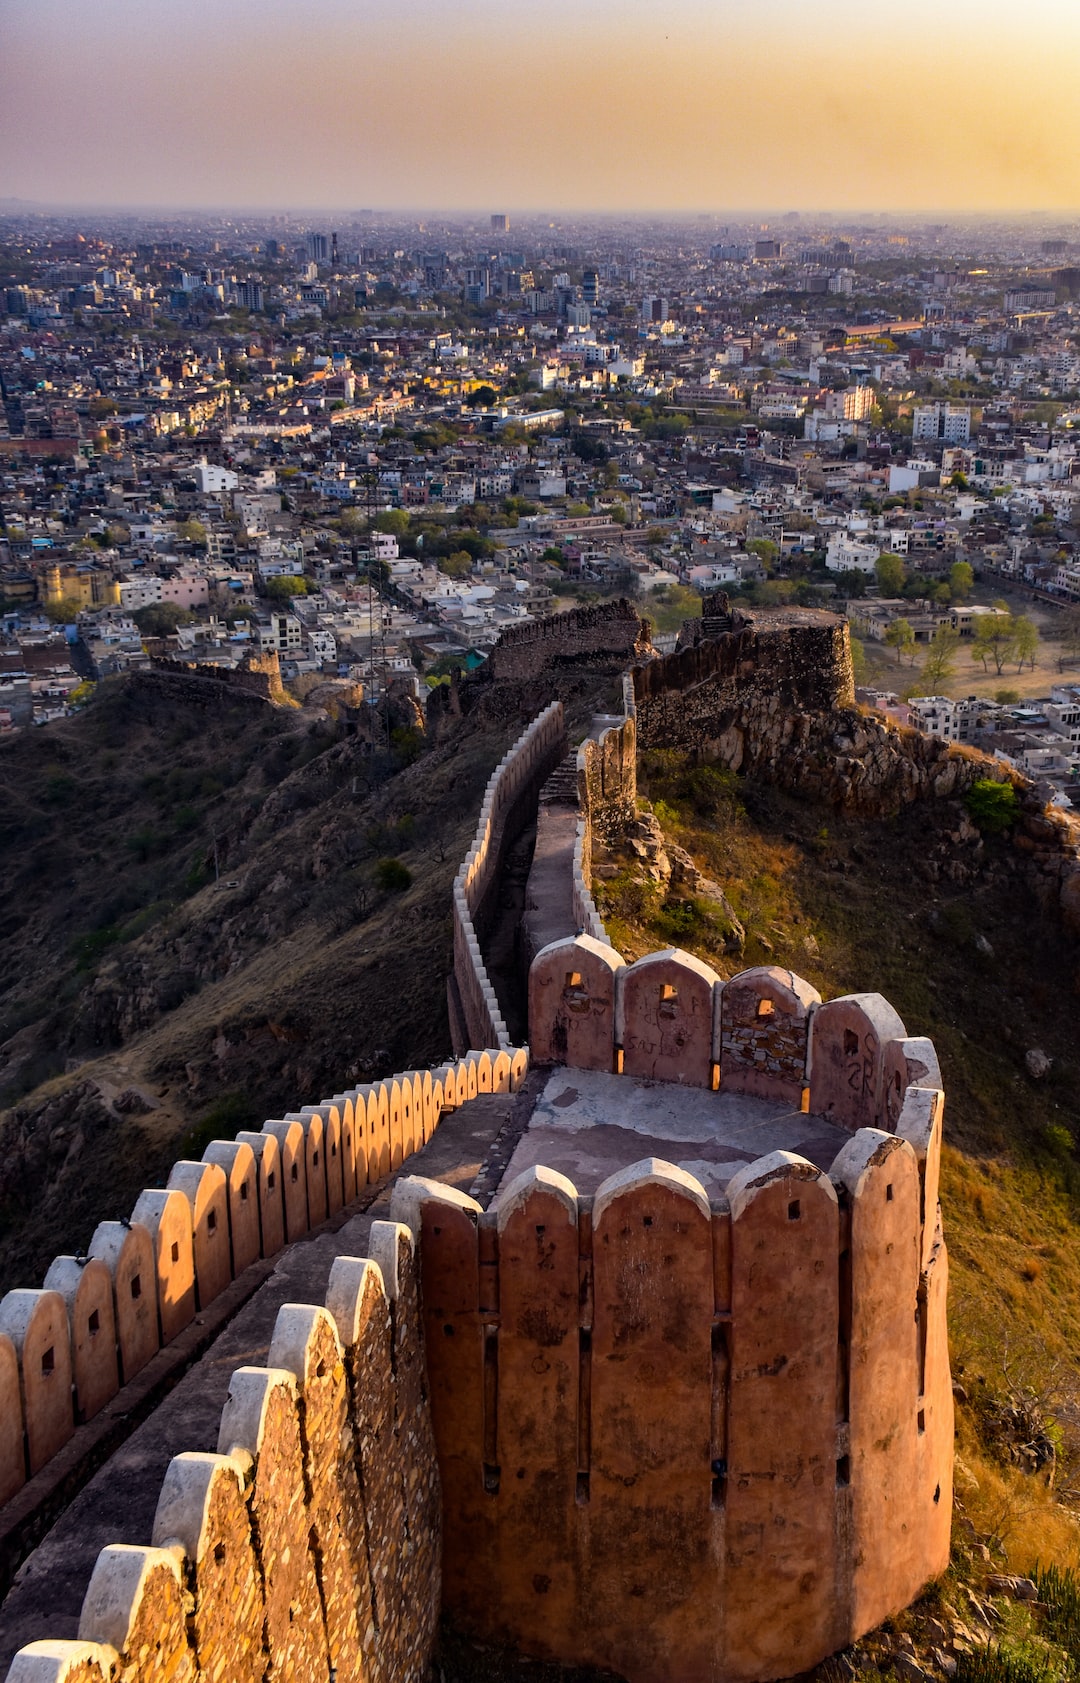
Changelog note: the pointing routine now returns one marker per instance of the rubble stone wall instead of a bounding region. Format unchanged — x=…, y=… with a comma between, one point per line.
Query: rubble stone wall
x=604, y=633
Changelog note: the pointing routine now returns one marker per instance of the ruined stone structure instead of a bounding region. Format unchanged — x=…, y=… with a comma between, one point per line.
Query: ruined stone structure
x=605, y=634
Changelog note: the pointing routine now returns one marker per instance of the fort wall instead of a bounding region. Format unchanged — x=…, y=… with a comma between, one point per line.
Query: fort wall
x=281, y=1555
x=604, y=633
x=512, y=792
x=689, y=1440
x=66, y=1349
x=607, y=797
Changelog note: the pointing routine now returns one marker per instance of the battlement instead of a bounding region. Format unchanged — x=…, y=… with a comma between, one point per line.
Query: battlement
x=691, y=1439
x=98, y=1320
x=603, y=634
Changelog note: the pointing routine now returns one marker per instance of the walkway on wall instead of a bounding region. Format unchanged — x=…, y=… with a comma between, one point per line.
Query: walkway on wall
x=117, y=1504
x=549, y=896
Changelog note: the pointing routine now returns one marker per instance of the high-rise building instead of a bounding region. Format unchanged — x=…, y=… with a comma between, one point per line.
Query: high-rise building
x=500, y=223
x=590, y=286
x=318, y=247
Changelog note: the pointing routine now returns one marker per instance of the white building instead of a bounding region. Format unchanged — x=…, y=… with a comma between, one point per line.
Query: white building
x=945, y=421
x=845, y=555
x=940, y=715
x=211, y=481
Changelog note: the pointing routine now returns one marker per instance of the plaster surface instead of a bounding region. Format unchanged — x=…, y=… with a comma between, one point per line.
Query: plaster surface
x=587, y=1124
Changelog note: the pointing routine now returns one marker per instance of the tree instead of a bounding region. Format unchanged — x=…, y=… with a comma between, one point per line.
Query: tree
x=1025, y=640
x=64, y=611
x=159, y=619
x=766, y=551
x=1070, y=639
x=193, y=532
x=852, y=582
x=858, y=660
x=901, y=637
x=891, y=573
x=940, y=658
x=456, y=566
x=992, y=806
x=482, y=398
x=392, y=520
x=994, y=640
x=285, y=587
x=961, y=580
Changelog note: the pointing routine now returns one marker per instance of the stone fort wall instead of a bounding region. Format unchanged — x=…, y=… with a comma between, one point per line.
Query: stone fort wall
x=511, y=794
x=602, y=634
x=281, y=1555
x=687, y=1439
x=67, y=1348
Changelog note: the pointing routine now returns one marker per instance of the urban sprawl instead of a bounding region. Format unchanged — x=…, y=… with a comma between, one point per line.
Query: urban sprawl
x=362, y=447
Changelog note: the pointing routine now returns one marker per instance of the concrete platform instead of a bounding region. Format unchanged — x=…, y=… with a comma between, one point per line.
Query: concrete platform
x=587, y=1125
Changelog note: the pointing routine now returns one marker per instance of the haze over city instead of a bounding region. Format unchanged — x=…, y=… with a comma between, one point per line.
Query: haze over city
x=695, y=105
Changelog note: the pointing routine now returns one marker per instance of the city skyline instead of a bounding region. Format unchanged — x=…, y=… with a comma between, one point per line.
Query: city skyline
x=685, y=108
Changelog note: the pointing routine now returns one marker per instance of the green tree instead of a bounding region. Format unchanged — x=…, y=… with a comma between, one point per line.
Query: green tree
x=994, y=640
x=285, y=587
x=1025, y=641
x=992, y=806
x=961, y=580
x=901, y=637
x=392, y=520
x=193, y=532
x=859, y=664
x=482, y=398
x=1069, y=651
x=766, y=551
x=457, y=565
x=940, y=658
x=64, y=611
x=160, y=619
x=890, y=572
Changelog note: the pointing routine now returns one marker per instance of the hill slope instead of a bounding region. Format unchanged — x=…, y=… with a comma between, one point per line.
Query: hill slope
x=146, y=1007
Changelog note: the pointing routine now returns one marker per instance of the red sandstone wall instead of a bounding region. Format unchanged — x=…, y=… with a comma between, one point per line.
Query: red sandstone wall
x=687, y=1441
x=518, y=776
x=282, y=1555
x=66, y=1350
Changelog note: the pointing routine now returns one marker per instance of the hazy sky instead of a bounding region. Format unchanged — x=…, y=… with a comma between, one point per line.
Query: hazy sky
x=516, y=104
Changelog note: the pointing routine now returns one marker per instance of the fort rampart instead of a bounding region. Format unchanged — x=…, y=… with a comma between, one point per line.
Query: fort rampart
x=603, y=634
x=692, y=1439
x=510, y=797
x=283, y=1555
x=67, y=1348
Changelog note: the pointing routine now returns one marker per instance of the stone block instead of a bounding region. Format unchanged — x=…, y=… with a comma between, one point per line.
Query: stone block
x=166, y=1215
x=236, y=1160
x=206, y=1190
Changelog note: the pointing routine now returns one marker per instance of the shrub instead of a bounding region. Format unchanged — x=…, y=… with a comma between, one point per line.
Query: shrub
x=392, y=876
x=992, y=806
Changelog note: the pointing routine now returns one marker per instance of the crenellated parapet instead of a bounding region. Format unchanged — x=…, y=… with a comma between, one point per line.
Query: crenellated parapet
x=690, y=1438
x=99, y=1318
x=512, y=788
x=765, y=1031
x=280, y=1554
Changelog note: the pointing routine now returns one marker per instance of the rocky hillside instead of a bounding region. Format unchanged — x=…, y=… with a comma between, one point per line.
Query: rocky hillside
x=198, y=935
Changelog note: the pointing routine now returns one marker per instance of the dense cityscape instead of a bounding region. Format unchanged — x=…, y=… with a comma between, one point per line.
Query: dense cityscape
x=367, y=448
